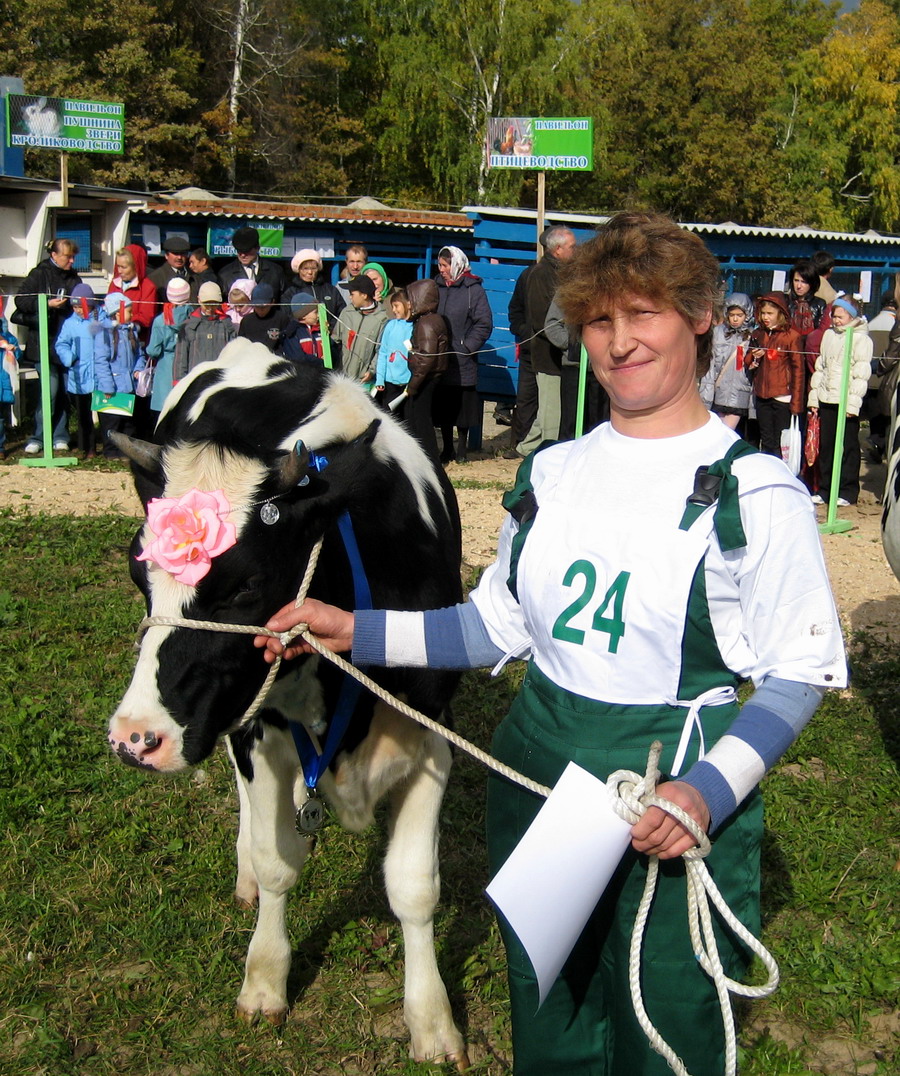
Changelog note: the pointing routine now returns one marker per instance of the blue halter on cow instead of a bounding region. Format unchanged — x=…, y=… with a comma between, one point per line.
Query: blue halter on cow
x=258, y=459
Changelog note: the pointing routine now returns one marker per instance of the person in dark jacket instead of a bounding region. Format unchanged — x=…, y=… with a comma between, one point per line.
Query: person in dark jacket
x=267, y=324
x=310, y=279
x=200, y=271
x=806, y=308
x=546, y=358
x=55, y=277
x=249, y=264
x=525, y=411
x=427, y=360
x=176, y=249
x=463, y=302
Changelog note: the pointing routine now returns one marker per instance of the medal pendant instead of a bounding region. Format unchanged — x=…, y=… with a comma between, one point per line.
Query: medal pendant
x=311, y=816
x=269, y=513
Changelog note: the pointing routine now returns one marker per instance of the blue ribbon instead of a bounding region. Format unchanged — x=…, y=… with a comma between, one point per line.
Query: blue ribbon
x=313, y=763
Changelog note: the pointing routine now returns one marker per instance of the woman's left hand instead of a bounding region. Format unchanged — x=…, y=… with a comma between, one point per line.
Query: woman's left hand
x=658, y=833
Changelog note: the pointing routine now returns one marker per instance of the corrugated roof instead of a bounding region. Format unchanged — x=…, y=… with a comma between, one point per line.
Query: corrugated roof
x=327, y=214
x=727, y=228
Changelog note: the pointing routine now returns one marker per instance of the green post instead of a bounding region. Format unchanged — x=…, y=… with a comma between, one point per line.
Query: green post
x=582, y=390
x=46, y=459
x=326, y=338
x=832, y=525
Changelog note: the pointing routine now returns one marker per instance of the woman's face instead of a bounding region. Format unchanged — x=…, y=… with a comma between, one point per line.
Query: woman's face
x=125, y=268
x=63, y=259
x=801, y=288
x=308, y=271
x=444, y=269
x=378, y=280
x=644, y=354
x=840, y=316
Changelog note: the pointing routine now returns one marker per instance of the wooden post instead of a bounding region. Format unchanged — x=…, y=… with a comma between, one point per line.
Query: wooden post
x=541, y=195
x=64, y=178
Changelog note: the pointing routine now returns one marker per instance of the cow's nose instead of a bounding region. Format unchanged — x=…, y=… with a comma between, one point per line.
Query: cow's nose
x=137, y=745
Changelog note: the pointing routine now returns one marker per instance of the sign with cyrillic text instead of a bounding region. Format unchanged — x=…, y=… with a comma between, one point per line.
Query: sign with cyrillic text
x=64, y=124
x=546, y=145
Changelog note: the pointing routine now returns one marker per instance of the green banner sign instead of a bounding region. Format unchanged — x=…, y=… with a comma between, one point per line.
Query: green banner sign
x=545, y=145
x=64, y=124
x=271, y=237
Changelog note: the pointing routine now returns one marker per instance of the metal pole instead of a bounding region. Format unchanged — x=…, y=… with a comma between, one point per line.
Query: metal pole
x=46, y=458
x=833, y=525
x=541, y=197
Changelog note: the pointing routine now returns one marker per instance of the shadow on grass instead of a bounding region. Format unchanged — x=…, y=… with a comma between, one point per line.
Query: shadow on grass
x=876, y=673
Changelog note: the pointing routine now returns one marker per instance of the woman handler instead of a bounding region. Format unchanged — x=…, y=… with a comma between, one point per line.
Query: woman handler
x=641, y=591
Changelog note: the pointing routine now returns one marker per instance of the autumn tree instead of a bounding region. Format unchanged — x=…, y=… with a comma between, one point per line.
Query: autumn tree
x=134, y=51
x=855, y=83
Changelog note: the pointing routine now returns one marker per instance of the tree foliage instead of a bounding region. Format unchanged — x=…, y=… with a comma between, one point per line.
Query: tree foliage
x=763, y=111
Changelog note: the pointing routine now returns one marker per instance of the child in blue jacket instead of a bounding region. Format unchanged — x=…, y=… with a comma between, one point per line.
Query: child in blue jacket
x=392, y=372
x=117, y=356
x=8, y=346
x=163, y=337
x=75, y=348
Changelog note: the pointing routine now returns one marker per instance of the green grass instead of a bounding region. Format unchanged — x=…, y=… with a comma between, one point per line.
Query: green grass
x=121, y=949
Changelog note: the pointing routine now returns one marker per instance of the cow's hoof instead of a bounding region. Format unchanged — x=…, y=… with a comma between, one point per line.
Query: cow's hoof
x=459, y=1058
x=245, y=903
x=272, y=1017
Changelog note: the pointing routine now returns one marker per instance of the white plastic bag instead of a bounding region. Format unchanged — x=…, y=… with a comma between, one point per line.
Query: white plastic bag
x=791, y=447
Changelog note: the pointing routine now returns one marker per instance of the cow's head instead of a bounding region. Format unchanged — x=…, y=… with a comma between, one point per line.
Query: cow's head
x=242, y=435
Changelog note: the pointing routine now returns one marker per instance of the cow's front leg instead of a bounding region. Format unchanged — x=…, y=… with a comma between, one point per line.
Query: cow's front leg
x=277, y=852
x=412, y=880
x=246, y=889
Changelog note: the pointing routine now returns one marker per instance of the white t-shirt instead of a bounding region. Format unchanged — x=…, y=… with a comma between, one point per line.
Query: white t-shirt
x=770, y=603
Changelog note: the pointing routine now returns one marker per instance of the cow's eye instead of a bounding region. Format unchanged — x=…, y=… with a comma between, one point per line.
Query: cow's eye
x=248, y=590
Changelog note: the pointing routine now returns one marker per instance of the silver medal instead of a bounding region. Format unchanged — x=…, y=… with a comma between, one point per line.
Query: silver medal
x=311, y=815
x=269, y=513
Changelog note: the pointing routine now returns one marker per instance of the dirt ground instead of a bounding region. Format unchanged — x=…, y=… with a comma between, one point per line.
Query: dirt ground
x=868, y=595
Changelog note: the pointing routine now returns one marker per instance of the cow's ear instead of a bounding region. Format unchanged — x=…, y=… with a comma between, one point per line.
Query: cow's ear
x=367, y=437
x=146, y=465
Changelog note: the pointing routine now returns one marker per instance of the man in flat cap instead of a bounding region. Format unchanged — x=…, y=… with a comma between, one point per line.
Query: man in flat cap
x=176, y=249
x=249, y=265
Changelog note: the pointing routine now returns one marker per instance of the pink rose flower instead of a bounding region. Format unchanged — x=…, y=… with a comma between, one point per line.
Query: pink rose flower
x=189, y=532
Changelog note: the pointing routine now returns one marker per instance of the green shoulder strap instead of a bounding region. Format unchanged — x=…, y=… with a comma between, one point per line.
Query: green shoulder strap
x=522, y=505
x=717, y=485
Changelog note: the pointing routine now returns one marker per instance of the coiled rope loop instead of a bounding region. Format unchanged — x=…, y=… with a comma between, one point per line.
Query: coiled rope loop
x=631, y=794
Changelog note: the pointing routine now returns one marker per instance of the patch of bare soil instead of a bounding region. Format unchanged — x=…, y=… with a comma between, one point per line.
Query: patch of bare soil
x=867, y=594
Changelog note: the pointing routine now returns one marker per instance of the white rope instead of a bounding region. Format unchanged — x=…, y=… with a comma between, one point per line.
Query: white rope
x=631, y=795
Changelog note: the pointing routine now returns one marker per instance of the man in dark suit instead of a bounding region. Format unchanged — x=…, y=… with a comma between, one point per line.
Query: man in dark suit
x=249, y=265
x=175, y=250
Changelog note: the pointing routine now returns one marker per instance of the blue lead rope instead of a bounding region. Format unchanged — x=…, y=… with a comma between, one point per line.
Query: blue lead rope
x=313, y=763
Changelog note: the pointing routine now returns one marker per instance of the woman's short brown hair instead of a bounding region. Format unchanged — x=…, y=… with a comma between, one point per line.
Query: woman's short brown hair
x=649, y=255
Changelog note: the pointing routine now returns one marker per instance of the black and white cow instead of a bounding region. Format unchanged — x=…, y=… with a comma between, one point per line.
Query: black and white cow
x=234, y=426
x=890, y=515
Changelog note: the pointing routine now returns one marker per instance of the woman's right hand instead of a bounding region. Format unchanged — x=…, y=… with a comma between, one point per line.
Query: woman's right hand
x=333, y=628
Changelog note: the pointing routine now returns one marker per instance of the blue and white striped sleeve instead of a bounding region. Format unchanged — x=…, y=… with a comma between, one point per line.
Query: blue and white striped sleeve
x=768, y=723
x=451, y=638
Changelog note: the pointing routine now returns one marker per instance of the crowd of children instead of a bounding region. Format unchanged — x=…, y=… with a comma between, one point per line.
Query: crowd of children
x=778, y=364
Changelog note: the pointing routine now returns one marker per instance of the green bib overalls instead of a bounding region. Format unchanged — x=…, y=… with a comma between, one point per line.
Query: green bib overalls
x=587, y=1024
